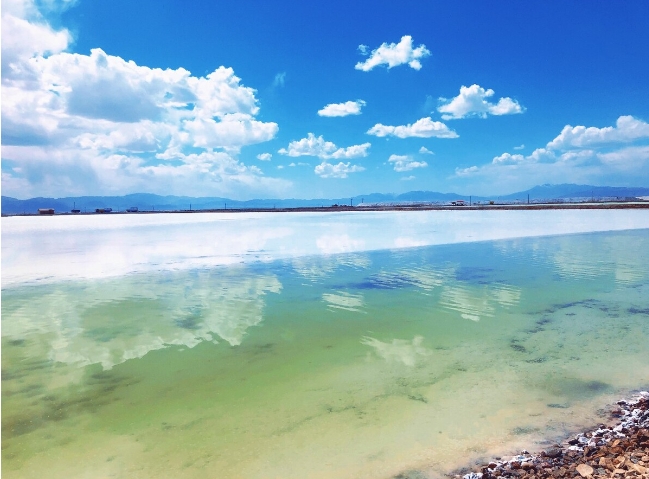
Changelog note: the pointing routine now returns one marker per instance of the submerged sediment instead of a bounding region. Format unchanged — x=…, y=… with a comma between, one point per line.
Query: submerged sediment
x=619, y=450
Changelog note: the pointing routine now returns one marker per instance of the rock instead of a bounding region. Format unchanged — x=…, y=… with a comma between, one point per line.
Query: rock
x=554, y=452
x=637, y=467
x=585, y=470
x=620, y=451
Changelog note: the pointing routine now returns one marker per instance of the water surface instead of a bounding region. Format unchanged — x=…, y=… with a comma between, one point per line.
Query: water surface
x=287, y=355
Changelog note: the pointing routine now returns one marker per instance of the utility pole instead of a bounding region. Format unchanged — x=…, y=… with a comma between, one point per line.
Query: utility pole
x=528, y=198
x=351, y=201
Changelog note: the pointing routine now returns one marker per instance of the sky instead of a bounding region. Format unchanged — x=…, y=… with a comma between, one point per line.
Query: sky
x=321, y=99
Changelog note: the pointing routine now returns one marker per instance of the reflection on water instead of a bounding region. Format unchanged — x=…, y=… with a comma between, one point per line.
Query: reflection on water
x=38, y=249
x=361, y=364
x=109, y=322
x=343, y=300
x=399, y=350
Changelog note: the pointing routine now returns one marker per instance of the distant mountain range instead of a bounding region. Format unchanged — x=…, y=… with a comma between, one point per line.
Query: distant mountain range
x=147, y=202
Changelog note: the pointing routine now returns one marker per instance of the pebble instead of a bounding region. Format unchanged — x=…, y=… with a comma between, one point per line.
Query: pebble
x=617, y=452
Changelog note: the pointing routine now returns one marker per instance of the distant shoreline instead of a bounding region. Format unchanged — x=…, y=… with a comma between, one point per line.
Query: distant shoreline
x=359, y=208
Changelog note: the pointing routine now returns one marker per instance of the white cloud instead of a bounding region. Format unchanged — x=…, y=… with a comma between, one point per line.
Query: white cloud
x=466, y=171
x=341, y=170
x=394, y=54
x=472, y=101
x=280, y=79
x=264, y=156
x=408, y=178
x=317, y=146
x=364, y=50
x=577, y=155
x=97, y=123
x=405, y=163
x=519, y=147
x=425, y=151
x=629, y=158
x=626, y=129
x=342, y=109
x=508, y=159
x=25, y=34
x=423, y=128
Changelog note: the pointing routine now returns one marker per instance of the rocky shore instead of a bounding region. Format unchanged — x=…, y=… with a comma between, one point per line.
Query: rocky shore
x=617, y=451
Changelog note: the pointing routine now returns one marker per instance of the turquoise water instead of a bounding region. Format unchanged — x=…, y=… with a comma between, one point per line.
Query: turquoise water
x=360, y=364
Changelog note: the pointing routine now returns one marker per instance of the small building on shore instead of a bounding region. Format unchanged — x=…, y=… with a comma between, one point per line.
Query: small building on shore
x=45, y=211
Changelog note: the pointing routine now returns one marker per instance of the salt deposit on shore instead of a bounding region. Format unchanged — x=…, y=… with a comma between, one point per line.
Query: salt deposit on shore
x=617, y=450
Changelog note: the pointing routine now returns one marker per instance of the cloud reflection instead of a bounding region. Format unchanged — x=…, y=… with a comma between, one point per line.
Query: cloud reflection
x=90, y=247
x=343, y=300
x=110, y=322
x=399, y=350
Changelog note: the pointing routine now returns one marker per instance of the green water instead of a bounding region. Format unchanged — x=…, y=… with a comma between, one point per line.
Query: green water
x=363, y=365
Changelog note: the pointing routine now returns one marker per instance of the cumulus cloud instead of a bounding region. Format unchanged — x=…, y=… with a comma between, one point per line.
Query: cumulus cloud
x=264, y=156
x=423, y=128
x=317, y=146
x=508, y=159
x=341, y=170
x=76, y=123
x=578, y=154
x=405, y=163
x=26, y=34
x=394, y=54
x=425, y=151
x=626, y=129
x=473, y=101
x=342, y=109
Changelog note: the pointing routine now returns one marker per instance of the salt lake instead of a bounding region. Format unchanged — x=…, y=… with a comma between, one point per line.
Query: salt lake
x=286, y=345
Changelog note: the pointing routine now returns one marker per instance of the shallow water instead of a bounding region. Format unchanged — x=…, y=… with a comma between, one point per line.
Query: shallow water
x=310, y=363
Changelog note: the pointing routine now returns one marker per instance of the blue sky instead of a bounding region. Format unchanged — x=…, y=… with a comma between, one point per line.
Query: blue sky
x=259, y=99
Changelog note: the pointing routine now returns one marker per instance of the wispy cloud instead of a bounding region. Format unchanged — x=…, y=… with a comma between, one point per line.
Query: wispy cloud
x=264, y=156
x=425, y=151
x=405, y=163
x=280, y=79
